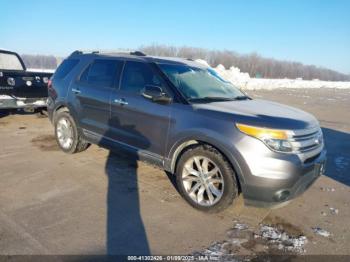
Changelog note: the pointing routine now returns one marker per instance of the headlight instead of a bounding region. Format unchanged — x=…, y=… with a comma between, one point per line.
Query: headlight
x=279, y=145
x=275, y=139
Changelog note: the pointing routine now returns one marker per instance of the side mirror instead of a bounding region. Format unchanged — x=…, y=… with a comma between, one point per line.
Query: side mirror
x=156, y=94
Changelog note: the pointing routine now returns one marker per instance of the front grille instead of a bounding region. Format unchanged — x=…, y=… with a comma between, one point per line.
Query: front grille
x=307, y=140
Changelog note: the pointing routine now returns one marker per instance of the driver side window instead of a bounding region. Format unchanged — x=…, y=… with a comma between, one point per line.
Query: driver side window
x=137, y=75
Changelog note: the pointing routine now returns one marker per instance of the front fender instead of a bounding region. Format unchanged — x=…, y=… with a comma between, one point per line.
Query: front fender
x=215, y=139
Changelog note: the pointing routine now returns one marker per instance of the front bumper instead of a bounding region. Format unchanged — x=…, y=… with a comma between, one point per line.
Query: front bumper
x=271, y=192
x=9, y=102
x=269, y=178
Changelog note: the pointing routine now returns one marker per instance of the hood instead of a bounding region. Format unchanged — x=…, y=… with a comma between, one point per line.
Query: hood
x=261, y=113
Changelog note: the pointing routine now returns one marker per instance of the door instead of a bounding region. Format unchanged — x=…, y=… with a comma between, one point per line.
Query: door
x=136, y=120
x=93, y=92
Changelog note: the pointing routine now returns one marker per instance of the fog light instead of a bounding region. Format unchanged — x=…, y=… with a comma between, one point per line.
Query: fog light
x=281, y=195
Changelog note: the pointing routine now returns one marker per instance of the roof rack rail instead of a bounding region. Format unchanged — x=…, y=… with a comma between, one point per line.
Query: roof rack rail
x=80, y=52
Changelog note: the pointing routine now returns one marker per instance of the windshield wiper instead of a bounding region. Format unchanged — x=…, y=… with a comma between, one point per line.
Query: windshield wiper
x=217, y=98
x=241, y=98
x=210, y=99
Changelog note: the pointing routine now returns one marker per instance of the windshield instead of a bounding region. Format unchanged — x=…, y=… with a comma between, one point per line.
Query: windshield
x=10, y=62
x=200, y=84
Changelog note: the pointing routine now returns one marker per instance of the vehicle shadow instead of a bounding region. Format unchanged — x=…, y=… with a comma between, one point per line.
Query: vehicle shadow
x=8, y=112
x=126, y=234
x=338, y=155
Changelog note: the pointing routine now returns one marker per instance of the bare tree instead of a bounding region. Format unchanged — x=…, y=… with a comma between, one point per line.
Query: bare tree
x=40, y=61
x=253, y=63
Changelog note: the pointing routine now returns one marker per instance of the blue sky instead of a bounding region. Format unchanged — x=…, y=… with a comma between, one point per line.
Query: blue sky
x=310, y=31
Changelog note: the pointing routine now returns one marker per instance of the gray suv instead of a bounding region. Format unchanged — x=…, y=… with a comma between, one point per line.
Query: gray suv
x=183, y=117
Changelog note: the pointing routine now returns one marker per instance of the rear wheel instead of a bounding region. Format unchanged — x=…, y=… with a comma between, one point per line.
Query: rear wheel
x=205, y=179
x=67, y=134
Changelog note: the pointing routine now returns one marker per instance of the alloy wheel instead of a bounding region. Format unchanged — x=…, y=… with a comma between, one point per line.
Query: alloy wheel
x=202, y=180
x=65, y=133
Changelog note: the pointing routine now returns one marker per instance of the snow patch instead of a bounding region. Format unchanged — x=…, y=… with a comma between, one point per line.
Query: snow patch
x=333, y=211
x=321, y=232
x=328, y=189
x=254, y=243
x=281, y=239
x=240, y=226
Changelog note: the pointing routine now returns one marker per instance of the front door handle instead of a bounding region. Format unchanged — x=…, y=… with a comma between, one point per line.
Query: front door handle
x=76, y=91
x=121, y=101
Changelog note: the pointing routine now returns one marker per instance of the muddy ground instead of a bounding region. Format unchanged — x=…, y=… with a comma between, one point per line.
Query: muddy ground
x=99, y=202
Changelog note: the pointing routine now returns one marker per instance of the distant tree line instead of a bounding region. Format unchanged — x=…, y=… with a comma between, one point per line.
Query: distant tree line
x=41, y=61
x=254, y=64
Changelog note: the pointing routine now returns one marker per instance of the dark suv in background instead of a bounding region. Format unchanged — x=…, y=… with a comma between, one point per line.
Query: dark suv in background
x=184, y=118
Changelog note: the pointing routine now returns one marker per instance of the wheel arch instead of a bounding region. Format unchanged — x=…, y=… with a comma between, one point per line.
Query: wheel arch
x=61, y=107
x=184, y=145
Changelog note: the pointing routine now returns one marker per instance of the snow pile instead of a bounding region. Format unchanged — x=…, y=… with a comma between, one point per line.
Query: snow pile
x=203, y=62
x=244, y=81
x=234, y=75
x=261, y=83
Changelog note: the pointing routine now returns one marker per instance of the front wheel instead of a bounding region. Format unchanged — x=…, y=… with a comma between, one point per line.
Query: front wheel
x=205, y=179
x=67, y=135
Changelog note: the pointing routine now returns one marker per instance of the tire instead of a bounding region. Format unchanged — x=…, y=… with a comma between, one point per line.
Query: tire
x=77, y=144
x=212, y=183
x=41, y=112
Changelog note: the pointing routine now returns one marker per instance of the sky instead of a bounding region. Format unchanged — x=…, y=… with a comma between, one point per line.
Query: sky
x=308, y=31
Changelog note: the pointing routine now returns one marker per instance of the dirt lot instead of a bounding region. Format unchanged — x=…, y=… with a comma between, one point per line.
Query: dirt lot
x=99, y=202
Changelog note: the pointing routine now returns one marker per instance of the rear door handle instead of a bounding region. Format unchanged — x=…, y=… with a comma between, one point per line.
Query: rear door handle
x=121, y=101
x=76, y=91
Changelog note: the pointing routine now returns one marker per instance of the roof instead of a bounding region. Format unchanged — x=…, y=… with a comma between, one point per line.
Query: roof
x=139, y=56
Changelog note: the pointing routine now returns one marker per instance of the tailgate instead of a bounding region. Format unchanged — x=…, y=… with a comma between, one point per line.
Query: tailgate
x=24, y=84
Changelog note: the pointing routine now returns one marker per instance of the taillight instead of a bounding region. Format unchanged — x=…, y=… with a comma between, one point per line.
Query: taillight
x=49, y=83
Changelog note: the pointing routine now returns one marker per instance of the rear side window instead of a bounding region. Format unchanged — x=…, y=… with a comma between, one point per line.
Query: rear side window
x=102, y=73
x=66, y=66
x=137, y=75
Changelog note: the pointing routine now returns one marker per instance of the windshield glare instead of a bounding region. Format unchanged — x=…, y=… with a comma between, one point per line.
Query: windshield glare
x=10, y=62
x=200, y=83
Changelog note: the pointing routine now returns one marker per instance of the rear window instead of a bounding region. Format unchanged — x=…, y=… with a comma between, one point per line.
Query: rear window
x=102, y=73
x=10, y=62
x=66, y=66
